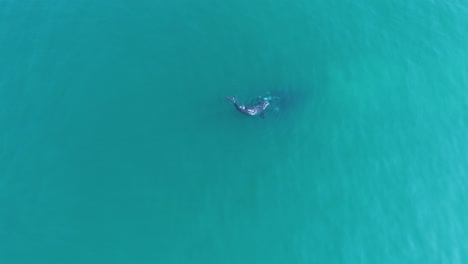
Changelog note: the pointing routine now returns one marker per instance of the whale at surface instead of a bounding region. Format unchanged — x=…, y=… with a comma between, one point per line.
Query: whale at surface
x=258, y=109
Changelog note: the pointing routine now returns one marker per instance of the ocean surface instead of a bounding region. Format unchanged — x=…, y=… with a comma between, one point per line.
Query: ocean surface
x=117, y=144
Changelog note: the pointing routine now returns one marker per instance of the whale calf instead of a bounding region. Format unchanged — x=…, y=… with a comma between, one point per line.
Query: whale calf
x=258, y=109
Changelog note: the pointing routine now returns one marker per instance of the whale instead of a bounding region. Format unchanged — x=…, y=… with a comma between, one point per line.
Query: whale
x=254, y=110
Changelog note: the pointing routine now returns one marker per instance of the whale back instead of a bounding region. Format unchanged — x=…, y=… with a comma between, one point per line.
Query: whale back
x=257, y=109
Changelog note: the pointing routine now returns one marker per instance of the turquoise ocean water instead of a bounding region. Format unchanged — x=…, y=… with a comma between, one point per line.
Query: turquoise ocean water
x=118, y=146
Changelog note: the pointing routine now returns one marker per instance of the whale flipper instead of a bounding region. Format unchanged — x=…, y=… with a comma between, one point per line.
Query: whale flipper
x=232, y=99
